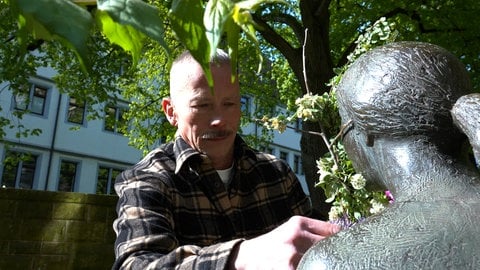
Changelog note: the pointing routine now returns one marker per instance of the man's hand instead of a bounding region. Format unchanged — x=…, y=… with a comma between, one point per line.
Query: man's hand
x=283, y=247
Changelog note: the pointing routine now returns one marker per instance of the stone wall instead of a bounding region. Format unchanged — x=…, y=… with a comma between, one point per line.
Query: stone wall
x=56, y=230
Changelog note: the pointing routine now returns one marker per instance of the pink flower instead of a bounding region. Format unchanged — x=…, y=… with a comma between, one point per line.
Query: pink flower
x=389, y=196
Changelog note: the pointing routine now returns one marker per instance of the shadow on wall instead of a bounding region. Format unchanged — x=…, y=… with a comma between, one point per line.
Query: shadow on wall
x=56, y=230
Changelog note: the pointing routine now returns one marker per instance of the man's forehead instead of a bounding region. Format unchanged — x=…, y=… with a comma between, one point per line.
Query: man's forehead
x=183, y=75
x=186, y=69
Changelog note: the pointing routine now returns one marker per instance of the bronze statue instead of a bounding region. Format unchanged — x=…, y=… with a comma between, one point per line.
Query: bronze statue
x=403, y=138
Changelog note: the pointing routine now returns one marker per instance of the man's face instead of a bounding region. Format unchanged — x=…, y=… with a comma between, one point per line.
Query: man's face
x=205, y=120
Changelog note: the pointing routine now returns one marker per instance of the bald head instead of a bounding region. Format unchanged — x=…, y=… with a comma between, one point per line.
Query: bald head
x=186, y=69
x=208, y=121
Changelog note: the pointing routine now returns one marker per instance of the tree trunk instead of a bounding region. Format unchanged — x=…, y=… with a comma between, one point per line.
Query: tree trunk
x=312, y=148
x=318, y=67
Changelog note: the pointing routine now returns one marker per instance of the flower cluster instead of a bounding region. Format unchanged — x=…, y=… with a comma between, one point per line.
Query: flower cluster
x=319, y=108
x=346, y=190
x=310, y=107
x=277, y=123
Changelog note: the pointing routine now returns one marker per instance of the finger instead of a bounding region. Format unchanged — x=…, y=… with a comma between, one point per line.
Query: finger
x=306, y=241
x=320, y=227
x=295, y=260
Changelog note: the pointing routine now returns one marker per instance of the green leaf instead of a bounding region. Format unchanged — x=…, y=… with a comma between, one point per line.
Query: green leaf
x=127, y=22
x=242, y=17
x=123, y=35
x=233, y=35
x=30, y=24
x=217, y=13
x=331, y=191
x=244, y=20
x=330, y=197
x=254, y=4
x=56, y=20
x=186, y=18
x=141, y=16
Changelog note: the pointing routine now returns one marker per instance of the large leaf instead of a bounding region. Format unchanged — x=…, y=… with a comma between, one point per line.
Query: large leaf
x=186, y=18
x=217, y=12
x=253, y=5
x=243, y=19
x=241, y=15
x=127, y=19
x=123, y=35
x=56, y=20
x=233, y=37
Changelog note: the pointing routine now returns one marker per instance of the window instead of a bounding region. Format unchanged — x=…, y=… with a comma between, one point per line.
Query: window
x=106, y=179
x=68, y=174
x=19, y=170
x=267, y=150
x=245, y=105
x=297, y=164
x=114, y=120
x=33, y=100
x=298, y=125
x=284, y=155
x=76, y=111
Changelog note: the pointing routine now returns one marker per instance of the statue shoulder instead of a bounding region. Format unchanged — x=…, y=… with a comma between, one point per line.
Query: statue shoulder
x=465, y=113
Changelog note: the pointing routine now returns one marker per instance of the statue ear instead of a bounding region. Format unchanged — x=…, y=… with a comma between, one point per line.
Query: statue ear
x=169, y=111
x=370, y=140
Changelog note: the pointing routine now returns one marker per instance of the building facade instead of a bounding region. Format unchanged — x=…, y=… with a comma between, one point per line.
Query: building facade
x=75, y=155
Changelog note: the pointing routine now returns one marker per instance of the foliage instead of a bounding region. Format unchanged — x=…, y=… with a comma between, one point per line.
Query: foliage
x=344, y=188
x=323, y=40
x=117, y=75
x=302, y=45
x=200, y=28
x=44, y=20
x=26, y=65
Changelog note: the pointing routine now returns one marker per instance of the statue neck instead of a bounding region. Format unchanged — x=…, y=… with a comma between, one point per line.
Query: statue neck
x=418, y=170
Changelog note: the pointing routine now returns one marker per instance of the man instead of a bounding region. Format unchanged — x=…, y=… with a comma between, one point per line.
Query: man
x=207, y=200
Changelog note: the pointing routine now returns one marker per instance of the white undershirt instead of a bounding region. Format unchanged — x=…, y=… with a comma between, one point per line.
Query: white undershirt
x=226, y=175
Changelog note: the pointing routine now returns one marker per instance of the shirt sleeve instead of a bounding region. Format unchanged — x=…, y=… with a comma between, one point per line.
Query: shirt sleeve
x=144, y=228
x=299, y=201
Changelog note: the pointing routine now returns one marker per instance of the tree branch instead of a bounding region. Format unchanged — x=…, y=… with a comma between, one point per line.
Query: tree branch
x=288, y=20
x=272, y=37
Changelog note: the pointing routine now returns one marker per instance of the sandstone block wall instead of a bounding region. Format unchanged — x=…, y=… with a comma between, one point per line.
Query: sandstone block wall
x=56, y=230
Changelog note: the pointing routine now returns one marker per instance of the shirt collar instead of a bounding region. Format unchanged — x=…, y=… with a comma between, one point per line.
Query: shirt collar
x=184, y=152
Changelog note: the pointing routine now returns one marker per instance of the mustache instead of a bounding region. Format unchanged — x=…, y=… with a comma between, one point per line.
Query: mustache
x=213, y=134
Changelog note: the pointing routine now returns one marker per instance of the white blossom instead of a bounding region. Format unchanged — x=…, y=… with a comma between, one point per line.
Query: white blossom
x=358, y=181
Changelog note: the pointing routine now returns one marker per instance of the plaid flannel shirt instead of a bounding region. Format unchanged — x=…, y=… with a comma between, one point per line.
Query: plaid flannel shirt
x=175, y=212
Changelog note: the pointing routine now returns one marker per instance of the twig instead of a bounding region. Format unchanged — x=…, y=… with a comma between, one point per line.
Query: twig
x=305, y=81
x=322, y=135
x=329, y=145
x=342, y=129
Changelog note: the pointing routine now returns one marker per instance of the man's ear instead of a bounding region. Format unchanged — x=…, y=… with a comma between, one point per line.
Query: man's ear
x=169, y=111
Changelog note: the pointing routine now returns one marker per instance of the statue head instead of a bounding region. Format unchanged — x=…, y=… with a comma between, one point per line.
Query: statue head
x=399, y=91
